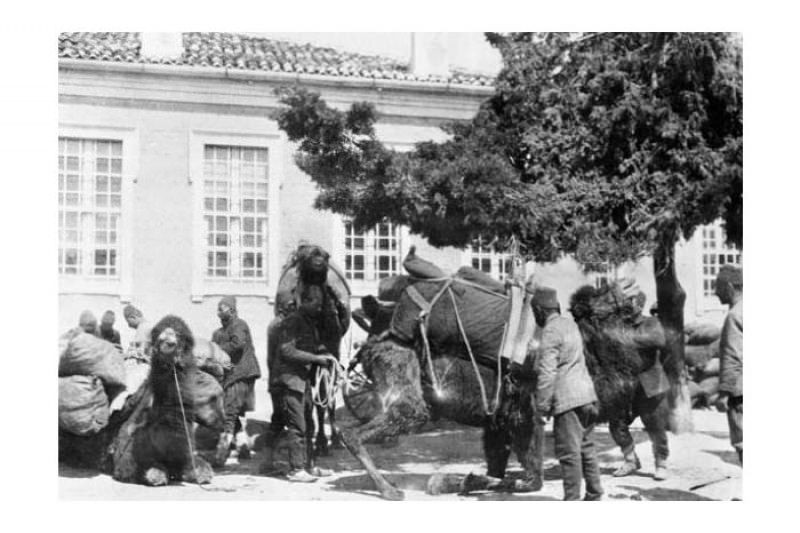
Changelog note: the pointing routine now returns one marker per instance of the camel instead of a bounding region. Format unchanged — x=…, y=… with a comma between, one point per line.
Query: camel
x=403, y=387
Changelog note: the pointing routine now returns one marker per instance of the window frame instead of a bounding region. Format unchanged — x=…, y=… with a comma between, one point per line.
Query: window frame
x=496, y=259
x=710, y=303
x=361, y=287
x=202, y=286
x=121, y=286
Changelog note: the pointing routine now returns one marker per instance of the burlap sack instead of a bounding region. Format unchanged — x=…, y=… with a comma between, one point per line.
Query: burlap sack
x=82, y=405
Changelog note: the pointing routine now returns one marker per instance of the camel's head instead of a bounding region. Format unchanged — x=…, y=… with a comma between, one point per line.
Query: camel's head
x=172, y=342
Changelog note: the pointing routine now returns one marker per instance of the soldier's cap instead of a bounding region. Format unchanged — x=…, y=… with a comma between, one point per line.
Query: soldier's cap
x=730, y=274
x=229, y=301
x=545, y=297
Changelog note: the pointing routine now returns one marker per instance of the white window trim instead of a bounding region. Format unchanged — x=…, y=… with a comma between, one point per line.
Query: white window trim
x=275, y=144
x=122, y=287
x=467, y=256
x=363, y=287
x=705, y=304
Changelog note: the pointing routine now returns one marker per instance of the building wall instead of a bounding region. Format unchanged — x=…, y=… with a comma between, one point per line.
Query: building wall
x=162, y=221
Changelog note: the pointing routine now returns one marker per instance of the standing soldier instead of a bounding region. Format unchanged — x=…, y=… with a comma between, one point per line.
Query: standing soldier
x=650, y=401
x=730, y=289
x=107, y=331
x=298, y=348
x=565, y=390
x=140, y=345
x=239, y=383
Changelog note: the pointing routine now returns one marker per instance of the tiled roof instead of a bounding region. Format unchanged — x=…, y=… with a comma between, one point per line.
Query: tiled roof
x=236, y=51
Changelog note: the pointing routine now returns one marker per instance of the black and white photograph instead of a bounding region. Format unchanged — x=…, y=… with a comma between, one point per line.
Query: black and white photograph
x=400, y=266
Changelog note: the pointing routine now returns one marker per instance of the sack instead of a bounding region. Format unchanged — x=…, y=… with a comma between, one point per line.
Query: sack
x=82, y=405
x=698, y=334
x=420, y=268
x=696, y=356
x=211, y=358
x=86, y=355
x=390, y=289
x=483, y=313
x=711, y=368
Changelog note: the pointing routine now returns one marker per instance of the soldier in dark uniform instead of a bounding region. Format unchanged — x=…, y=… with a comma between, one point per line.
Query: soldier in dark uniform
x=239, y=384
x=650, y=399
x=107, y=331
x=299, y=347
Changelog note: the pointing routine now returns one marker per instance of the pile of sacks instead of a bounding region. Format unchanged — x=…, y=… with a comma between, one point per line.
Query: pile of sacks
x=100, y=389
x=702, y=361
x=91, y=374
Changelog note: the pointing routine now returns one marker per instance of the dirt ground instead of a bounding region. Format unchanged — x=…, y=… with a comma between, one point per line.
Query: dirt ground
x=702, y=466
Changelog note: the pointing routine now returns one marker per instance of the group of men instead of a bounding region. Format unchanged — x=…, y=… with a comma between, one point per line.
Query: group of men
x=564, y=388
x=565, y=391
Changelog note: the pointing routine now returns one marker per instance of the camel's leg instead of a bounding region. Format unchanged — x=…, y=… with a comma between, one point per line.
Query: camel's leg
x=336, y=439
x=321, y=442
x=496, y=448
x=528, y=443
x=353, y=440
x=308, y=413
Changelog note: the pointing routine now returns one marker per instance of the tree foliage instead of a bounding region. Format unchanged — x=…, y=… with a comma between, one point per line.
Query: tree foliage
x=604, y=146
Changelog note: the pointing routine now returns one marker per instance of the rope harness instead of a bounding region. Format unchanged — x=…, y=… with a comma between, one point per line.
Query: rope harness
x=425, y=308
x=326, y=385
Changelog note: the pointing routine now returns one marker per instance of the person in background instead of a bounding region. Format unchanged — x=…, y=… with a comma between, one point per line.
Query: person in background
x=239, y=383
x=140, y=345
x=565, y=390
x=87, y=323
x=650, y=401
x=107, y=331
x=298, y=348
x=730, y=291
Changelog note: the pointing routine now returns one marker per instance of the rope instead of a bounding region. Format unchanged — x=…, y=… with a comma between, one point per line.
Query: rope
x=327, y=379
x=423, y=326
x=189, y=438
x=484, y=398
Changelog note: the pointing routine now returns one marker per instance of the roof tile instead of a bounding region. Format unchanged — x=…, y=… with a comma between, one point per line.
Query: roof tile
x=234, y=51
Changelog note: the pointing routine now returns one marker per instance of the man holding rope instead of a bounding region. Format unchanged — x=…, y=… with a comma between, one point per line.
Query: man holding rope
x=289, y=380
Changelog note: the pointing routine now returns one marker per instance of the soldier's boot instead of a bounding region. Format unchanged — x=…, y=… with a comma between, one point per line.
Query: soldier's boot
x=629, y=466
x=661, y=472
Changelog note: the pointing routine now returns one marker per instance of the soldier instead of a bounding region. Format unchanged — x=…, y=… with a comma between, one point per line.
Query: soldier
x=650, y=401
x=107, y=331
x=730, y=290
x=565, y=390
x=140, y=345
x=239, y=383
x=298, y=348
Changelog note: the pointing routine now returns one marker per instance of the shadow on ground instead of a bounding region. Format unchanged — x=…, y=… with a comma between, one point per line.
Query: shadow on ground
x=663, y=494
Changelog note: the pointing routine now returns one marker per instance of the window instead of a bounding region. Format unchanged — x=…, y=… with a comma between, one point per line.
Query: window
x=235, y=177
x=483, y=257
x=715, y=253
x=235, y=211
x=373, y=254
x=90, y=180
x=602, y=274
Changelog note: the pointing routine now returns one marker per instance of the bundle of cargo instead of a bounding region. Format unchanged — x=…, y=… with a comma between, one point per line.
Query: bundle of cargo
x=702, y=361
x=91, y=371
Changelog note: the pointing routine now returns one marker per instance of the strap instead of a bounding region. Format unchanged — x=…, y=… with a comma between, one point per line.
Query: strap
x=486, y=407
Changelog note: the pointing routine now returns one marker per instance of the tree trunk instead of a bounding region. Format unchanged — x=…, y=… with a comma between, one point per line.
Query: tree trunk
x=671, y=299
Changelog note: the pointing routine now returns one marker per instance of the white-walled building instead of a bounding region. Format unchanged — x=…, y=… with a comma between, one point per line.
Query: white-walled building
x=176, y=186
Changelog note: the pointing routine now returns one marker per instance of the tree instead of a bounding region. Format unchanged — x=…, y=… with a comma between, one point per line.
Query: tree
x=605, y=146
